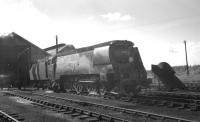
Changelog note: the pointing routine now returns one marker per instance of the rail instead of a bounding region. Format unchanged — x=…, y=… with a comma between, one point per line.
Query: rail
x=7, y=117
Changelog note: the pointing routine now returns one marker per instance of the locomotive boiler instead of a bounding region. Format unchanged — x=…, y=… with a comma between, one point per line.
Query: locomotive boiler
x=111, y=66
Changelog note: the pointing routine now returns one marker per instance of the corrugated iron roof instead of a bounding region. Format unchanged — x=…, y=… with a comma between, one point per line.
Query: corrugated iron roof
x=13, y=41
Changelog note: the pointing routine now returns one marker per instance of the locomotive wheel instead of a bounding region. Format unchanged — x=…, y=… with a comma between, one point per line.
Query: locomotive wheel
x=78, y=88
x=102, y=91
x=92, y=91
x=55, y=86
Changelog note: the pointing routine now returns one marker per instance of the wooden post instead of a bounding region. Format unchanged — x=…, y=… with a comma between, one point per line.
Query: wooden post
x=186, y=58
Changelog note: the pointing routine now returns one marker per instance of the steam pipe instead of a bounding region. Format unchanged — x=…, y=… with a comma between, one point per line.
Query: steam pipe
x=56, y=44
x=186, y=58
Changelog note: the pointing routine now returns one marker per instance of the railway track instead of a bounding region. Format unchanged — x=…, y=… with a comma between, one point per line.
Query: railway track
x=10, y=117
x=178, y=101
x=189, y=95
x=168, y=99
x=172, y=102
x=97, y=116
x=181, y=101
x=79, y=113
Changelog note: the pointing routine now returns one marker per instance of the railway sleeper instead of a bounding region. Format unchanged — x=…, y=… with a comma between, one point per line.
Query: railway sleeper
x=83, y=117
x=61, y=111
x=153, y=117
x=41, y=102
x=68, y=112
x=92, y=119
x=20, y=119
x=45, y=103
x=76, y=114
x=53, y=109
x=57, y=106
x=14, y=115
x=61, y=108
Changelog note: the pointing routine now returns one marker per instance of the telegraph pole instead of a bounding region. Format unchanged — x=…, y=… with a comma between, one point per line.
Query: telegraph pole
x=186, y=58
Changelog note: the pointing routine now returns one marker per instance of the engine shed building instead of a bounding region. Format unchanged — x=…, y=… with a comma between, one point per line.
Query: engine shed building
x=17, y=54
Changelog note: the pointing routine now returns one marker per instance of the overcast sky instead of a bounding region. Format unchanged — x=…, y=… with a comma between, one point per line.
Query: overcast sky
x=157, y=27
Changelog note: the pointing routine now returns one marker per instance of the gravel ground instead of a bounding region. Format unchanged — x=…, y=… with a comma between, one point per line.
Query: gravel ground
x=30, y=112
x=192, y=115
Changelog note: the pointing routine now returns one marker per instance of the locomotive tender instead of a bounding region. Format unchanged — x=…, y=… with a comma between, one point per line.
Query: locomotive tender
x=110, y=66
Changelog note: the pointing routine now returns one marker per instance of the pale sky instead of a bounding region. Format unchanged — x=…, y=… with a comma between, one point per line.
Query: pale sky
x=157, y=27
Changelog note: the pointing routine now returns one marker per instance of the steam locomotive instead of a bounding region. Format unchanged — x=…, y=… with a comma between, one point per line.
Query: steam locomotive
x=113, y=66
